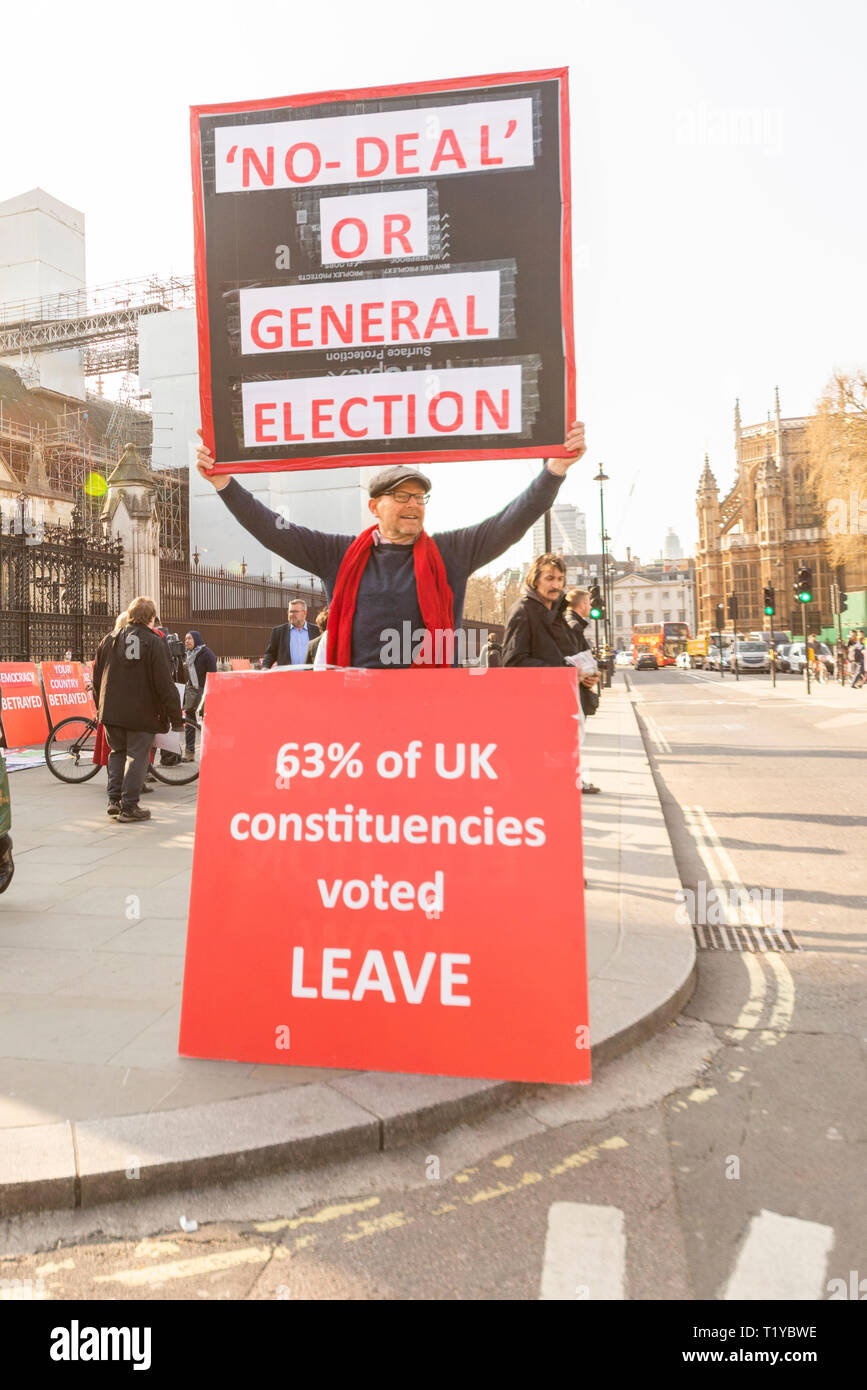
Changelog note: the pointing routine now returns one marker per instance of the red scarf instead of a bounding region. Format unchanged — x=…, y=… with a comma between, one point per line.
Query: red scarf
x=435, y=598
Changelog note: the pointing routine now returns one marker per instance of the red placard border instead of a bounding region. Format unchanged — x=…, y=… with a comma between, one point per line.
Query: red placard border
x=360, y=94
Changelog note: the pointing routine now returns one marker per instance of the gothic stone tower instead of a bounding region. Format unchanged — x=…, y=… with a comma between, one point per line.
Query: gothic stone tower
x=708, y=569
x=130, y=513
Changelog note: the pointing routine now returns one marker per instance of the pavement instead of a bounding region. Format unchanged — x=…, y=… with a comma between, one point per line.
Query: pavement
x=97, y=1106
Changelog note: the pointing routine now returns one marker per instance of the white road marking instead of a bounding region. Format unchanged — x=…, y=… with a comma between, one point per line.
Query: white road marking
x=782, y=1258
x=585, y=1253
x=656, y=733
x=728, y=869
x=744, y=912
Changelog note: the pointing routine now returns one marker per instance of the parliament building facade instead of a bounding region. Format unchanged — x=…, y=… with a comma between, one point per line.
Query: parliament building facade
x=767, y=525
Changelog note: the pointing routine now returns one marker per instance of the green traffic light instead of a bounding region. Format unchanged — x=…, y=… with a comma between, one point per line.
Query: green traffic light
x=596, y=612
x=769, y=612
x=805, y=598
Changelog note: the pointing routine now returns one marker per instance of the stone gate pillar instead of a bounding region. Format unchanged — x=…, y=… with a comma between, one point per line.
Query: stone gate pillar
x=130, y=513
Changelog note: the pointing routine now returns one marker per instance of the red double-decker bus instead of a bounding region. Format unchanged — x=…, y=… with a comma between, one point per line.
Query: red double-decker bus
x=665, y=641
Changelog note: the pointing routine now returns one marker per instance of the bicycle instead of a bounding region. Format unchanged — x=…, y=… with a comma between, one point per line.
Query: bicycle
x=70, y=746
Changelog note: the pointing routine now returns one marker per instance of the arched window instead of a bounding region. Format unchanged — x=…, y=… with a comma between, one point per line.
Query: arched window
x=805, y=511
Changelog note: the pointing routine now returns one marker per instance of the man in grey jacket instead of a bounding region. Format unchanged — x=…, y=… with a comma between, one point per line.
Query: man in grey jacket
x=387, y=597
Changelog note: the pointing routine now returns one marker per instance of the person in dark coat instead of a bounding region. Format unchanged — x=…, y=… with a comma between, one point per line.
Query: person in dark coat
x=537, y=633
x=290, y=641
x=578, y=617
x=137, y=698
x=492, y=652
x=200, y=660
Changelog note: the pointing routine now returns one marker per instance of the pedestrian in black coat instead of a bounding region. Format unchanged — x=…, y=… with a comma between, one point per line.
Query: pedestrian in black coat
x=577, y=615
x=536, y=630
x=578, y=618
x=199, y=662
x=137, y=698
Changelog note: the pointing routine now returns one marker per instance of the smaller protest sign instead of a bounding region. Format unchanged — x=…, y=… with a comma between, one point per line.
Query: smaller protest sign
x=66, y=693
x=23, y=710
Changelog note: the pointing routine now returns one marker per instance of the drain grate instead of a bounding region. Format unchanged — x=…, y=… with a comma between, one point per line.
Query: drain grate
x=732, y=938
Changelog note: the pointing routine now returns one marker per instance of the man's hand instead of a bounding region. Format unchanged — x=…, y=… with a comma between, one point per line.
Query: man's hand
x=205, y=462
x=576, y=447
x=590, y=681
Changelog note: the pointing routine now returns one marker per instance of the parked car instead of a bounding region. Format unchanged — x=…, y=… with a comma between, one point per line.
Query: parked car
x=646, y=661
x=798, y=660
x=684, y=661
x=750, y=656
x=712, y=659
x=623, y=659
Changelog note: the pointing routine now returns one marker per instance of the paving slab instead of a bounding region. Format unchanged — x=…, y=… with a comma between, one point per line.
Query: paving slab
x=95, y=960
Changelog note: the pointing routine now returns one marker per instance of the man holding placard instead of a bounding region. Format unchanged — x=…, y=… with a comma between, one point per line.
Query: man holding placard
x=395, y=581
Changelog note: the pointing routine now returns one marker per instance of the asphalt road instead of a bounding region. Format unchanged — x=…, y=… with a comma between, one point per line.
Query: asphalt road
x=723, y=1159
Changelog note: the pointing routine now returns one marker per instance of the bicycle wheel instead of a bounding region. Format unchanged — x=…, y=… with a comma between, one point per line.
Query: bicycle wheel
x=69, y=749
x=173, y=770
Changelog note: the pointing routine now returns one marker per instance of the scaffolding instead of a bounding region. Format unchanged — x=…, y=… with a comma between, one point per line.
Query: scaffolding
x=102, y=322
x=71, y=449
x=173, y=505
x=65, y=461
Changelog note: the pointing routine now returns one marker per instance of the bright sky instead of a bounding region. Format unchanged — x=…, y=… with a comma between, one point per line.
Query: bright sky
x=718, y=190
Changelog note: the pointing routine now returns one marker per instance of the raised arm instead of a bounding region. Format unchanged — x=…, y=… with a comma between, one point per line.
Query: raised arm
x=318, y=552
x=478, y=545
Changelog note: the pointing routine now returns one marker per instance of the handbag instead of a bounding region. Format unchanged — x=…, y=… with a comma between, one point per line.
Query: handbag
x=589, y=700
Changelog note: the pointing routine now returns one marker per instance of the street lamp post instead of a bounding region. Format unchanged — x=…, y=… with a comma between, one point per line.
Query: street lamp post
x=607, y=585
x=602, y=477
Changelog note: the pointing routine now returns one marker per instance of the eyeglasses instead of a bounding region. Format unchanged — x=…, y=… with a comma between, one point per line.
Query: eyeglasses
x=403, y=497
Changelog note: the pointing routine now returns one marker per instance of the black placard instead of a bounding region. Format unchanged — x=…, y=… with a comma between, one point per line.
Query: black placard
x=334, y=311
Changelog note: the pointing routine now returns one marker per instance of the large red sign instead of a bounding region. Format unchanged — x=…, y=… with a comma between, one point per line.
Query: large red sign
x=24, y=721
x=65, y=692
x=388, y=875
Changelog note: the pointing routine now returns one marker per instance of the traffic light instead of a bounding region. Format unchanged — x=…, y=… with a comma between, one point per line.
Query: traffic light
x=733, y=607
x=770, y=608
x=842, y=600
x=720, y=617
x=597, y=607
x=804, y=585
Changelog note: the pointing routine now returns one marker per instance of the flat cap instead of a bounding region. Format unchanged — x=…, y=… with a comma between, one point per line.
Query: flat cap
x=388, y=478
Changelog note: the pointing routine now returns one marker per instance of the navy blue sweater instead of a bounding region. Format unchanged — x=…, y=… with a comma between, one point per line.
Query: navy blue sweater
x=387, y=595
